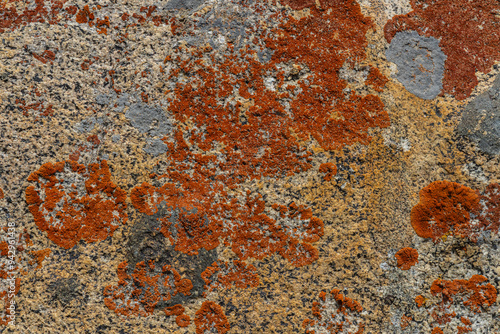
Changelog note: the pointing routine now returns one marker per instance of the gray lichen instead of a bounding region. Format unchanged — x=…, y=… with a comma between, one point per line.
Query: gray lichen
x=149, y=119
x=420, y=63
x=155, y=147
x=481, y=120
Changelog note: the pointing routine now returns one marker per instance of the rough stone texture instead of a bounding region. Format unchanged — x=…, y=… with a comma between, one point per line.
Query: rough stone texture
x=247, y=166
x=420, y=63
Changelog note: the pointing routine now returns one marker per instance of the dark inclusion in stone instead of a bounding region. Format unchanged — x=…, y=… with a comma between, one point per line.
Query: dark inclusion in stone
x=148, y=243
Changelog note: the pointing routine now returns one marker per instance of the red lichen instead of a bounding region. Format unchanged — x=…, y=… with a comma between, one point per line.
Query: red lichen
x=181, y=319
x=39, y=256
x=419, y=300
x=489, y=219
x=299, y=4
x=407, y=258
x=238, y=274
x=445, y=207
x=405, y=321
x=479, y=295
x=468, y=31
x=261, y=137
x=138, y=291
x=1, y=194
x=334, y=313
x=87, y=210
x=474, y=294
x=43, y=11
x=84, y=15
x=46, y=56
x=329, y=169
x=209, y=318
x=376, y=79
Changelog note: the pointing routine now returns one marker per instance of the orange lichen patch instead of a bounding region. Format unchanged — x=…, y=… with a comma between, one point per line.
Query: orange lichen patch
x=376, y=79
x=46, y=56
x=334, y=313
x=405, y=321
x=419, y=300
x=44, y=11
x=138, y=291
x=4, y=248
x=39, y=256
x=445, y=207
x=72, y=202
x=183, y=320
x=299, y=4
x=407, y=258
x=84, y=15
x=437, y=330
x=210, y=318
x=228, y=142
x=465, y=321
x=177, y=310
x=330, y=169
x=236, y=274
x=468, y=32
x=479, y=295
x=1, y=194
x=489, y=219
x=474, y=294
x=250, y=232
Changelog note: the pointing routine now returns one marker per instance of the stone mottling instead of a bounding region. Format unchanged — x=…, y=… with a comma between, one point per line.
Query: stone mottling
x=307, y=214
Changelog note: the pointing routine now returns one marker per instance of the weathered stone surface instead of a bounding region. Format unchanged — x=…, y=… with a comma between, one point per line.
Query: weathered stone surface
x=249, y=166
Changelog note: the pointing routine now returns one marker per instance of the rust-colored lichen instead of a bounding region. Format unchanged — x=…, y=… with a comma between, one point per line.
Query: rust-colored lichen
x=299, y=4
x=329, y=169
x=474, y=294
x=445, y=207
x=407, y=257
x=225, y=275
x=39, y=256
x=376, y=79
x=1, y=194
x=489, y=219
x=72, y=202
x=181, y=319
x=334, y=313
x=44, y=11
x=468, y=32
x=247, y=228
x=258, y=131
x=419, y=300
x=210, y=318
x=138, y=291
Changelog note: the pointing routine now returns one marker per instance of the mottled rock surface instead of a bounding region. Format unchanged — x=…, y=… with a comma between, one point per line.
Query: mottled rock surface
x=249, y=166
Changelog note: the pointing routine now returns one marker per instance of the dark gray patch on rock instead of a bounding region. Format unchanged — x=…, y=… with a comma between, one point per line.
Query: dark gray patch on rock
x=183, y=4
x=420, y=63
x=481, y=120
x=66, y=290
x=155, y=147
x=102, y=99
x=146, y=243
x=148, y=119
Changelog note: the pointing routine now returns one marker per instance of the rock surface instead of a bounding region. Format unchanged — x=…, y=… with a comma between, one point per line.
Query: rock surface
x=249, y=166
